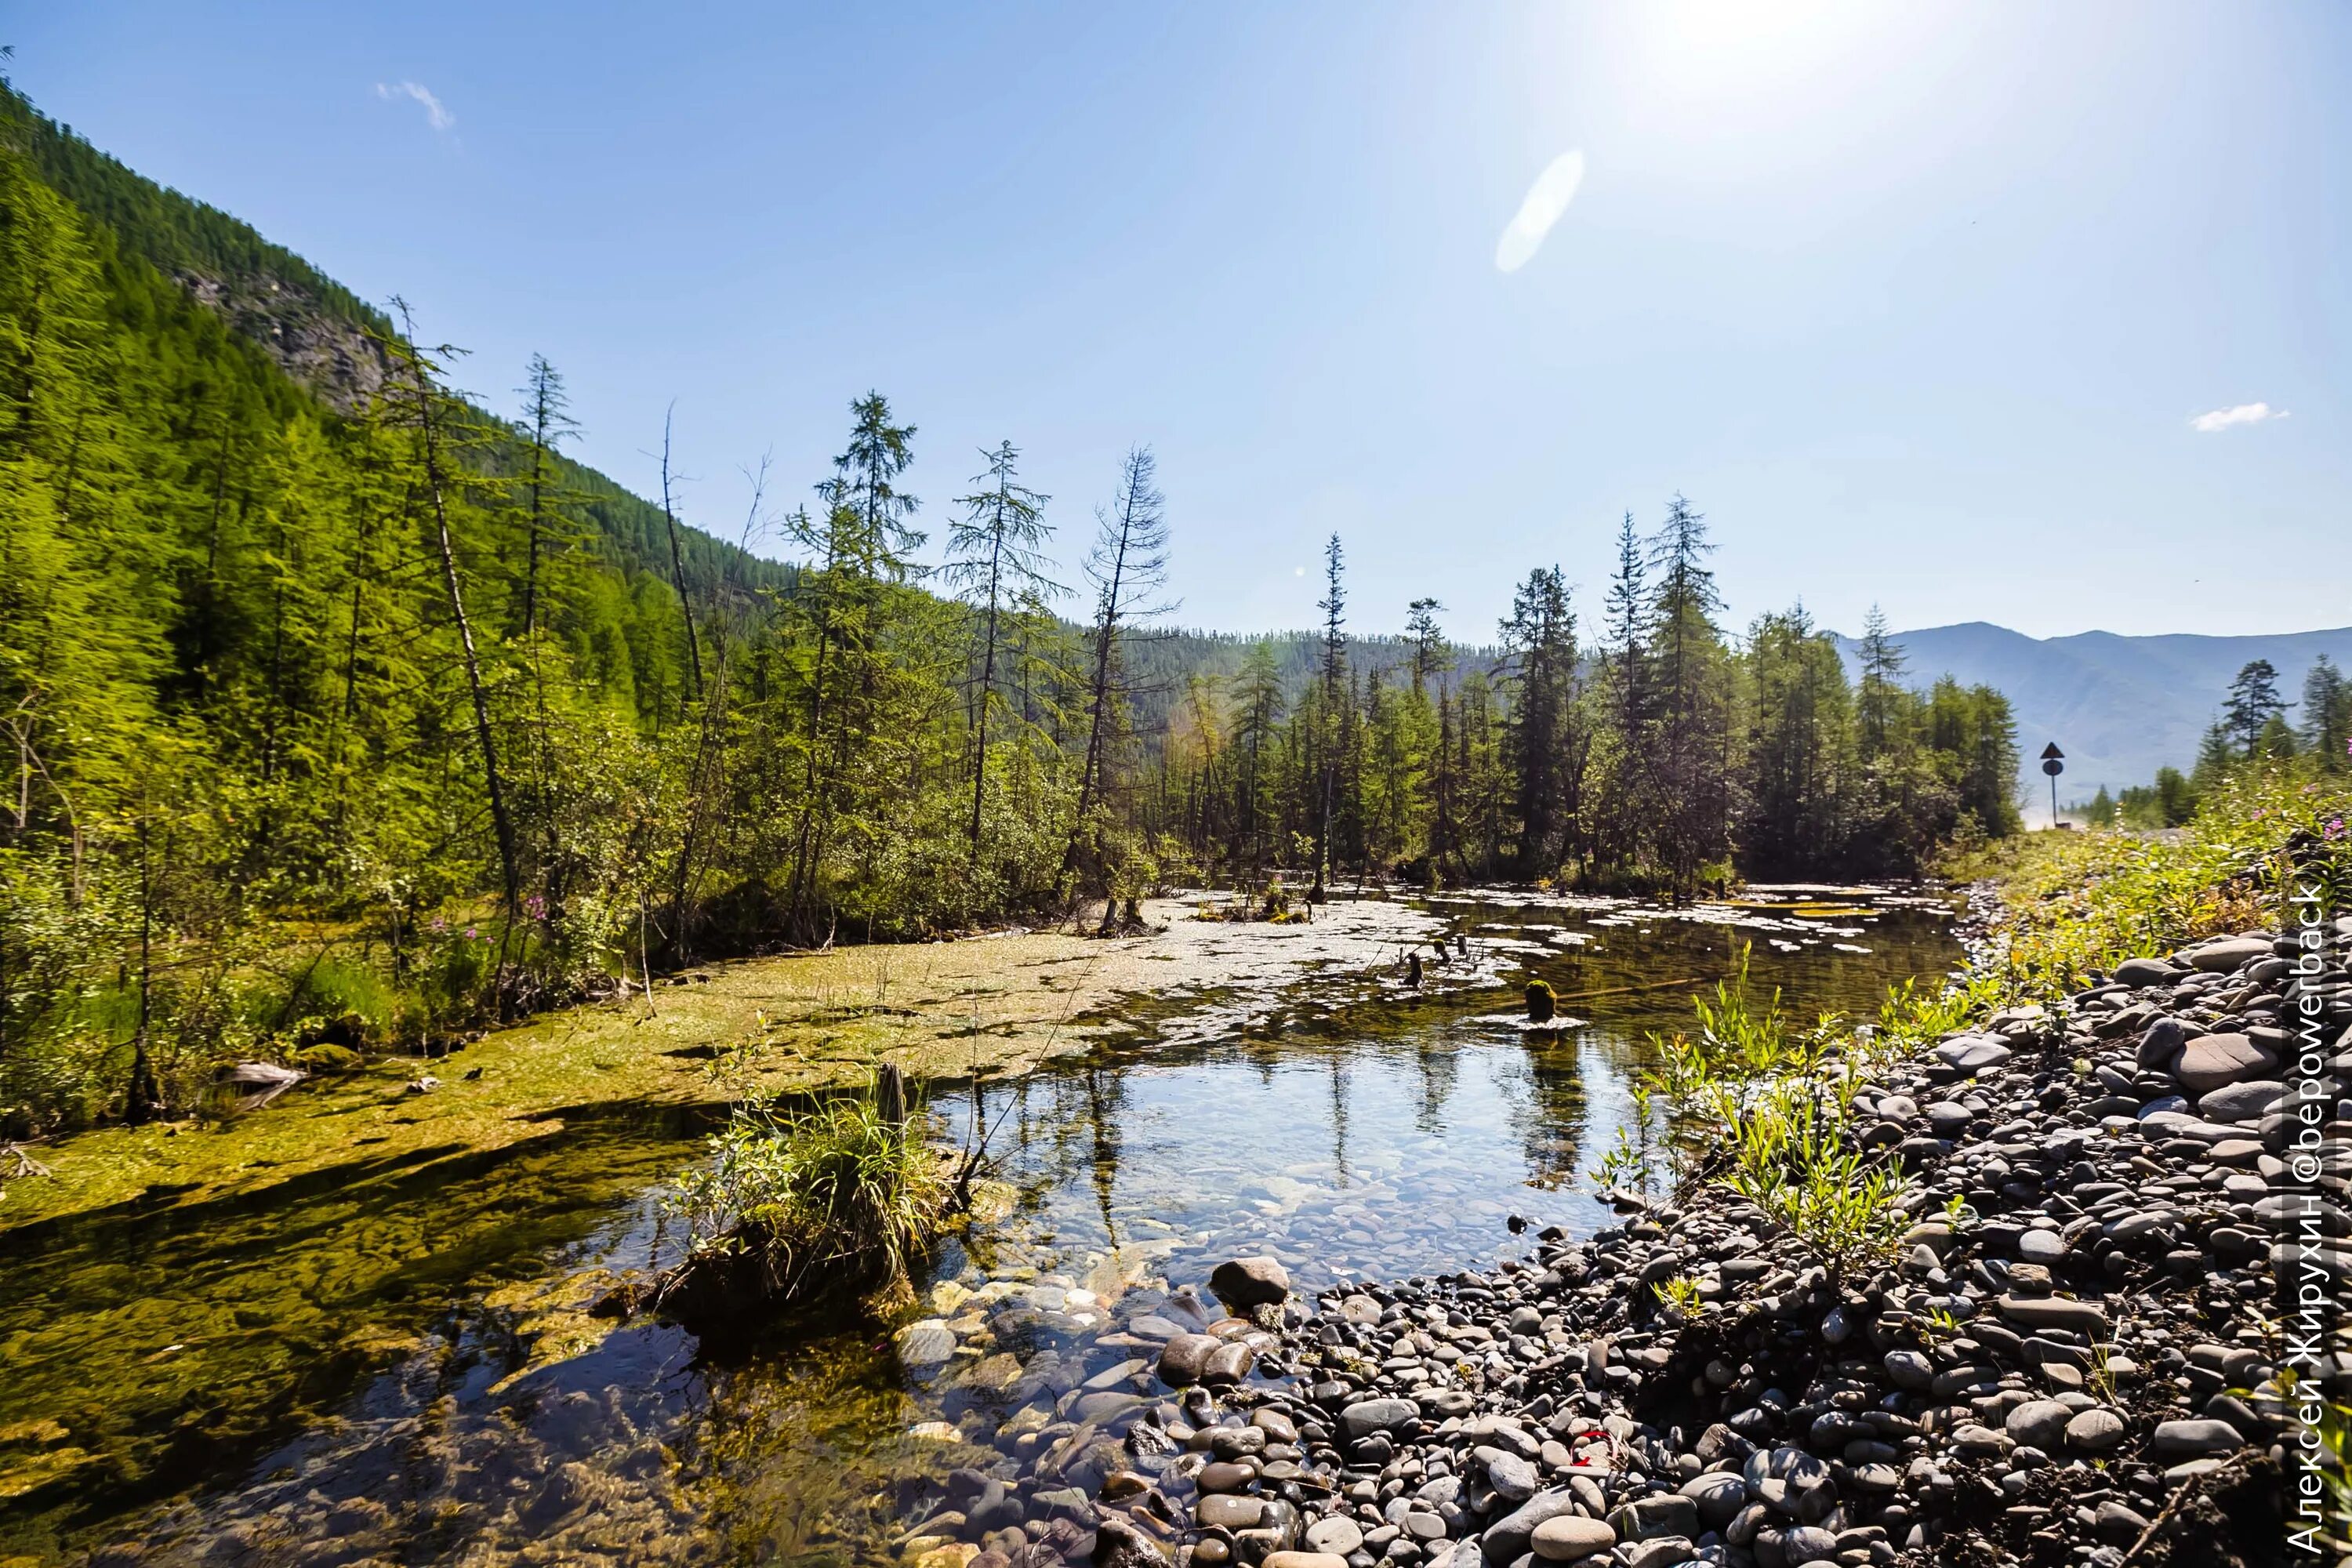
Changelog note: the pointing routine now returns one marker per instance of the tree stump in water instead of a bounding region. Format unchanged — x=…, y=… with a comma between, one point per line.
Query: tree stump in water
x=890, y=1094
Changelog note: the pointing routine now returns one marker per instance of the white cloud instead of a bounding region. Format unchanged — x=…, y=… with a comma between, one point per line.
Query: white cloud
x=436, y=114
x=2243, y=414
x=1547, y=198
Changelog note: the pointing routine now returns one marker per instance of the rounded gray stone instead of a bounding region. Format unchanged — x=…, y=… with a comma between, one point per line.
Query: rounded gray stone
x=1565, y=1537
x=2038, y=1424
x=2095, y=1430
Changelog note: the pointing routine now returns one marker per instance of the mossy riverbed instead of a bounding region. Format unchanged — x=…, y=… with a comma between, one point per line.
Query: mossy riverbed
x=941, y=1011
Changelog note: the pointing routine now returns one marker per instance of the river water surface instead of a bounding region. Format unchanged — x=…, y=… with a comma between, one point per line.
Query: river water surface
x=391, y=1368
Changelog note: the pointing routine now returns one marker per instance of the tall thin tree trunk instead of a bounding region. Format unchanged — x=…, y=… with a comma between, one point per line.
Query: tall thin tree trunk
x=500, y=821
x=677, y=565
x=987, y=691
x=142, y=1097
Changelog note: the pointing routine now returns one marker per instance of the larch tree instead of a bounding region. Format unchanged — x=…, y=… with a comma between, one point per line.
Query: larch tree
x=1128, y=566
x=1334, y=606
x=433, y=477
x=995, y=561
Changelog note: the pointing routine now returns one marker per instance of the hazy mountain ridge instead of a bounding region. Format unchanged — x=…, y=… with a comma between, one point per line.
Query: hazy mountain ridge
x=2119, y=707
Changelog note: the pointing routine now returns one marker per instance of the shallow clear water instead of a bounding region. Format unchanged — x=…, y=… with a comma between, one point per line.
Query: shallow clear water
x=331, y=1374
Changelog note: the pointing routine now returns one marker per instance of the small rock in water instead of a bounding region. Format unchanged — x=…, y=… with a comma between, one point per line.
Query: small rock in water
x=1242, y=1283
x=924, y=1344
x=1185, y=1357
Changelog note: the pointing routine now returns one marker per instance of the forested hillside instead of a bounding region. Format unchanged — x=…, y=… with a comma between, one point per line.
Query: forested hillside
x=347, y=714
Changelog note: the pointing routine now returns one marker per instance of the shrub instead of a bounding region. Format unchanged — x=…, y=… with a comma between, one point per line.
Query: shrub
x=1792, y=1159
x=2082, y=902
x=794, y=1207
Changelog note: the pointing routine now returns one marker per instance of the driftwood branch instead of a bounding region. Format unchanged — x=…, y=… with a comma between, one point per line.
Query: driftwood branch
x=2181, y=1494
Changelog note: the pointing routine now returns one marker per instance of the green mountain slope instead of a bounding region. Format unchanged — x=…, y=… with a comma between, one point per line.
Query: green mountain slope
x=320, y=334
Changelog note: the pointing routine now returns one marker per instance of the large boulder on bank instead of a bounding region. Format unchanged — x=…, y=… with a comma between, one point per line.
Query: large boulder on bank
x=2225, y=954
x=1365, y=1416
x=2242, y=1101
x=1974, y=1053
x=2056, y=1312
x=1506, y=1540
x=2213, y=1061
x=1565, y=1537
x=2137, y=972
x=2160, y=1044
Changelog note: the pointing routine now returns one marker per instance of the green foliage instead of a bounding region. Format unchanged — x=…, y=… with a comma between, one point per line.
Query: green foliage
x=1798, y=1168
x=1681, y=1293
x=340, y=695
x=1753, y=1111
x=836, y=1195
x=2080, y=903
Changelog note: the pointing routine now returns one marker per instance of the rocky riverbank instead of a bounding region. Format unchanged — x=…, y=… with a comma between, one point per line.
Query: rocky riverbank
x=2072, y=1357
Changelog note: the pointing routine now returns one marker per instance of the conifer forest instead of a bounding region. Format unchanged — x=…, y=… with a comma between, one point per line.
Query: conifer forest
x=353, y=695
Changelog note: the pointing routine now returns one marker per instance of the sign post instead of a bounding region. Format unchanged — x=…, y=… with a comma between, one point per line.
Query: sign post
x=2054, y=764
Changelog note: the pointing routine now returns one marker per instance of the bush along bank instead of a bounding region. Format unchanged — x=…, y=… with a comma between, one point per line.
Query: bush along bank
x=2071, y=1352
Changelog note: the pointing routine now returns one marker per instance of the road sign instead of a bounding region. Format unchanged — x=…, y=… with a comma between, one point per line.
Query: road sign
x=2051, y=753
x=2052, y=765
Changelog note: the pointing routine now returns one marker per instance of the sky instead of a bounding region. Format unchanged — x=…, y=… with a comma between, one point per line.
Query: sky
x=2036, y=315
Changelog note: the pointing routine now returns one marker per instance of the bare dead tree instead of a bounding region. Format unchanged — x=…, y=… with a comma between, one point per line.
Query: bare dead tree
x=429, y=456
x=993, y=562
x=1128, y=565
x=677, y=558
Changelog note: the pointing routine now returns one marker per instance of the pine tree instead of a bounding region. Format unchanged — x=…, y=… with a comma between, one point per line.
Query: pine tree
x=2253, y=701
x=1128, y=565
x=862, y=544
x=547, y=423
x=427, y=416
x=1691, y=725
x=2326, y=710
x=1545, y=743
x=1256, y=726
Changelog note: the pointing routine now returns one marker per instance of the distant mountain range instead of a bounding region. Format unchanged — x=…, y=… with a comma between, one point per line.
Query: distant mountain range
x=2120, y=708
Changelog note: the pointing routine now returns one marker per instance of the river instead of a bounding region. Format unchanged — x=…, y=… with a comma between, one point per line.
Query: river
x=392, y=1365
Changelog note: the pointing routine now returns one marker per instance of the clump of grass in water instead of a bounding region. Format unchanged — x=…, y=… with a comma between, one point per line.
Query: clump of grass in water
x=824, y=1204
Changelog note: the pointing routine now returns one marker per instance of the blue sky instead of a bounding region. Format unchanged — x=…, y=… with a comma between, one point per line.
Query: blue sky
x=1919, y=303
